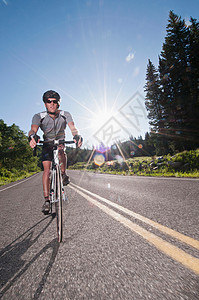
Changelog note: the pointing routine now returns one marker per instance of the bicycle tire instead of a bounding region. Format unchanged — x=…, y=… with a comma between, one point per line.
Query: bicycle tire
x=59, y=206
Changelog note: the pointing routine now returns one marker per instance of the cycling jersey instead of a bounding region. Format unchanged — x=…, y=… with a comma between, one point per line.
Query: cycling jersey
x=54, y=129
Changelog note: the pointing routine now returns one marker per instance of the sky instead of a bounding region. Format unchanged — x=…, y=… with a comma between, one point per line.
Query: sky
x=94, y=53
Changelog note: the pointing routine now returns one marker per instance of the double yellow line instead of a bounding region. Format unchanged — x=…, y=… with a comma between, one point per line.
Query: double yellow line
x=174, y=252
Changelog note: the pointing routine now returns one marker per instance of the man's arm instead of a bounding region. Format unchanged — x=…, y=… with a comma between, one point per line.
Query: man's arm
x=33, y=131
x=74, y=132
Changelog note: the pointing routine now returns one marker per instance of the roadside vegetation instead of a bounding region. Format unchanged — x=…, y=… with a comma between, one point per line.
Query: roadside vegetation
x=184, y=164
x=16, y=159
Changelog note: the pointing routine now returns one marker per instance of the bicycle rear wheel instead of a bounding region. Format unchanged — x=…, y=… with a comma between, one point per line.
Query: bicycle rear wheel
x=59, y=206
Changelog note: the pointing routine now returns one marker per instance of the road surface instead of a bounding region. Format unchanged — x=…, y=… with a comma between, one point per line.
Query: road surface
x=124, y=238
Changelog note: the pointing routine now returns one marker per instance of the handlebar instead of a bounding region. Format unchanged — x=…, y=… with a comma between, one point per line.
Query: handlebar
x=53, y=143
x=56, y=142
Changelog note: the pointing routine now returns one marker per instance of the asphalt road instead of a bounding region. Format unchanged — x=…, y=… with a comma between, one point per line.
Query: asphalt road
x=124, y=238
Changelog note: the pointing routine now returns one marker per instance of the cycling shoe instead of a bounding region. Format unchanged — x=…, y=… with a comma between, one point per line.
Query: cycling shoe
x=65, y=179
x=46, y=207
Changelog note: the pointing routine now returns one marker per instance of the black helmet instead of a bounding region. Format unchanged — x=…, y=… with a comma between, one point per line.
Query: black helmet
x=51, y=94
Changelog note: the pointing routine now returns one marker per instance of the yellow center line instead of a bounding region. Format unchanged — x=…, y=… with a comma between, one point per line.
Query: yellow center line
x=183, y=238
x=174, y=252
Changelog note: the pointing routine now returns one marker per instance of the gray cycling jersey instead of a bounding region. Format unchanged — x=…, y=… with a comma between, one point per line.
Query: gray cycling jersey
x=53, y=129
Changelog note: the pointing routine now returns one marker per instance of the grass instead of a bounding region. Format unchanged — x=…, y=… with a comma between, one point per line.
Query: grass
x=5, y=180
x=184, y=164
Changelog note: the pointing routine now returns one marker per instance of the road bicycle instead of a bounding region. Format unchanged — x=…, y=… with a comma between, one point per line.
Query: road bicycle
x=57, y=193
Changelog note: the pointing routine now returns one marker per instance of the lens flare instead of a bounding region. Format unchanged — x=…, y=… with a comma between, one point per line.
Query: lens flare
x=99, y=159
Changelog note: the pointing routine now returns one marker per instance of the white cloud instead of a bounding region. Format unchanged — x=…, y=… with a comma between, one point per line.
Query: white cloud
x=130, y=57
x=5, y=2
x=119, y=80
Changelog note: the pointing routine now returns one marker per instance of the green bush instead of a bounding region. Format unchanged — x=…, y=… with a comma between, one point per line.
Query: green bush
x=155, y=166
x=5, y=173
x=188, y=158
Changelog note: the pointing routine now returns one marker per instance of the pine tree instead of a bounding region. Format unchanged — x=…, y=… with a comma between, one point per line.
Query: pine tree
x=153, y=97
x=172, y=97
x=156, y=109
x=173, y=68
x=149, y=145
x=194, y=78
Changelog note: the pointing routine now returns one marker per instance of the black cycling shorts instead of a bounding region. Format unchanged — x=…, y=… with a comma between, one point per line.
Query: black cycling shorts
x=47, y=152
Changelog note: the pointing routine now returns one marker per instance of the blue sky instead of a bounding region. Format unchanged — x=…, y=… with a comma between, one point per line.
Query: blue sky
x=93, y=52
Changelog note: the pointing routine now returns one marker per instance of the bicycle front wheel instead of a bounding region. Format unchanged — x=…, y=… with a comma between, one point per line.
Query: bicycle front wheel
x=58, y=206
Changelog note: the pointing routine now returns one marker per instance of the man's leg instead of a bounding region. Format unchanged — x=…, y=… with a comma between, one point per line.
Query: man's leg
x=46, y=186
x=62, y=159
x=63, y=163
x=46, y=179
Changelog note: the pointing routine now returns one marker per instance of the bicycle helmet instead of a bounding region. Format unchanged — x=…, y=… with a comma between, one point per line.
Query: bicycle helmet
x=51, y=94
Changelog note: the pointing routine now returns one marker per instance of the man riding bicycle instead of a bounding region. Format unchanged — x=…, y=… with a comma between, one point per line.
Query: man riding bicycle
x=53, y=123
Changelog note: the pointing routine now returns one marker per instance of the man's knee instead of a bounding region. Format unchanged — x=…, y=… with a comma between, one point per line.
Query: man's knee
x=61, y=152
x=62, y=156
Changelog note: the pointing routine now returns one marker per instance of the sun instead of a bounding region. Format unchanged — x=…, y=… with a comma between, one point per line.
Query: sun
x=100, y=117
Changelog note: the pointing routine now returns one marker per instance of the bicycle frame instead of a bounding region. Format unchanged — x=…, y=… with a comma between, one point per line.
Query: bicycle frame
x=54, y=166
x=57, y=193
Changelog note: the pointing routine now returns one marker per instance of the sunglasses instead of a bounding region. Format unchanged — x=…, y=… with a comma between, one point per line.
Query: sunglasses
x=54, y=101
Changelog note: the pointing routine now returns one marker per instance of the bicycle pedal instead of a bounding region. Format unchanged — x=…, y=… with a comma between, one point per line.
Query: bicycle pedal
x=52, y=201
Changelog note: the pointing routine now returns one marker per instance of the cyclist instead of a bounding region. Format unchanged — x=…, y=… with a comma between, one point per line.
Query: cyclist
x=53, y=123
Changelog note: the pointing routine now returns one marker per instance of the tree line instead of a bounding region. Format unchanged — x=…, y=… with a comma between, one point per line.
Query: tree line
x=16, y=157
x=172, y=89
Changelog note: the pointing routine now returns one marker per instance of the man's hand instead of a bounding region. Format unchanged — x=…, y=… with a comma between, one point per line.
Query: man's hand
x=78, y=140
x=33, y=140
